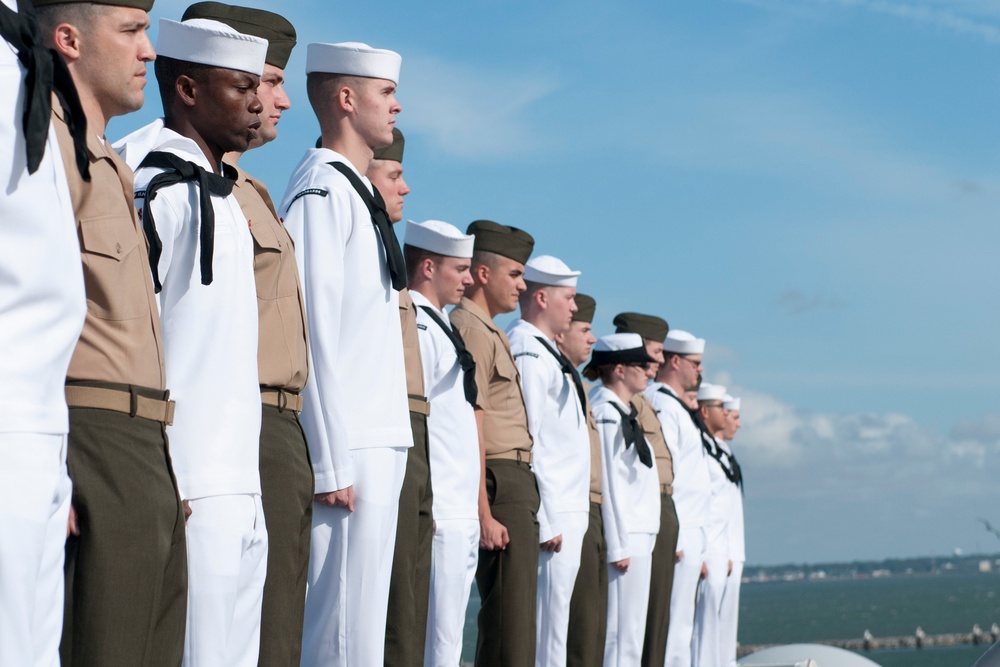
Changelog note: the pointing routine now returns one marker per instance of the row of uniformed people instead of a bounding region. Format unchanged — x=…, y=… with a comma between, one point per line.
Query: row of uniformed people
x=193, y=202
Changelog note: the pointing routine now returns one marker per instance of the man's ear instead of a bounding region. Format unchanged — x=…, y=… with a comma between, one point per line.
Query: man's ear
x=186, y=89
x=482, y=274
x=66, y=40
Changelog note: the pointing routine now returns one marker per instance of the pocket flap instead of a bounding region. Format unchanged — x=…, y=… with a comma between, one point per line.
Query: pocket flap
x=112, y=236
x=264, y=236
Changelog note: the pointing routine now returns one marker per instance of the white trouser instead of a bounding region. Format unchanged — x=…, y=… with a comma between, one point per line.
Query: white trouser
x=729, y=616
x=35, y=494
x=227, y=564
x=454, y=556
x=350, y=560
x=628, y=601
x=687, y=573
x=556, y=579
x=705, y=638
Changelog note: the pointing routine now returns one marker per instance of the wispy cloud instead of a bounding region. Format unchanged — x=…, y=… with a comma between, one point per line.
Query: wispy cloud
x=474, y=113
x=795, y=302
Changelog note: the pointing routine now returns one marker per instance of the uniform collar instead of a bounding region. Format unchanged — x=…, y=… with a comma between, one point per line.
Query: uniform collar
x=468, y=304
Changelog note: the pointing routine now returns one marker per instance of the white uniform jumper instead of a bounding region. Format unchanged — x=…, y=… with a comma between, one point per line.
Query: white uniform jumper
x=692, y=494
x=454, y=461
x=561, y=462
x=631, y=514
x=730, y=612
x=706, y=636
x=355, y=413
x=210, y=349
x=42, y=308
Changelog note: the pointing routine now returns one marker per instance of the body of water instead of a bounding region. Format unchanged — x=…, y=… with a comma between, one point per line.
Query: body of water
x=810, y=611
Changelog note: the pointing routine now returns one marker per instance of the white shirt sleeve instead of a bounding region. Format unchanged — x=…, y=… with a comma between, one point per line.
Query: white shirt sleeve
x=613, y=483
x=326, y=223
x=535, y=386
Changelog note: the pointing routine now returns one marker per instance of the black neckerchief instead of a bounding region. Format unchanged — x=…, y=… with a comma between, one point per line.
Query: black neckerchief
x=178, y=170
x=45, y=73
x=380, y=218
x=733, y=472
x=634, y=435
x=465, y=359
x=569, y=370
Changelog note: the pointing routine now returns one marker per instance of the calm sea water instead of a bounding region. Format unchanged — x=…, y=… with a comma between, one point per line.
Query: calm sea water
x=795, y=612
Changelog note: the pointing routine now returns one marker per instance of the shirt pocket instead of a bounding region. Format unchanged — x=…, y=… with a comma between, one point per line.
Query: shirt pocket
x=114, y=267
x=506, y=394
x=273, y=257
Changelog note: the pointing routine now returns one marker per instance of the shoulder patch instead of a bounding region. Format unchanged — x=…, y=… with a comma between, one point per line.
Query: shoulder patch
x=525, y=354
x=323, y=192
x=606, y=420
x=422, y=327
x=139, y=194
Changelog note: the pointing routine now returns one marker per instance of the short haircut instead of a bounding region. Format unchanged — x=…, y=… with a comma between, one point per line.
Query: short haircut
x=168, y=70
x=414, y=257
x=79, y=14
x=485, y=258
x=322, y=87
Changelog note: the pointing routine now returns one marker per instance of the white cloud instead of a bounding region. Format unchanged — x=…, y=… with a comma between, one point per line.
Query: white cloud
x=474, y=113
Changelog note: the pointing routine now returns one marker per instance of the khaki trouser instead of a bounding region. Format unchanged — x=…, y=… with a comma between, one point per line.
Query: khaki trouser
x=654, y=649
x=126, y=574
x=508, y=579
x=588, y=610
x=409, y=585
x=286, y=483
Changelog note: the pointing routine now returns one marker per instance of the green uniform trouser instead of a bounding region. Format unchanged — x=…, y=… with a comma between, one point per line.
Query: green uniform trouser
x=661, y=582
x=508, y=579
x=410, y=582
x=588, y=608
x=126, y=573
x=286, y=484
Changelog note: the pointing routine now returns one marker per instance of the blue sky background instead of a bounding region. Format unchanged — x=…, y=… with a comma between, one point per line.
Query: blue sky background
x=811, y=185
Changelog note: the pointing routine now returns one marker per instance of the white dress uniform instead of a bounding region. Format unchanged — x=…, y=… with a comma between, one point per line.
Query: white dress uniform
x=210, y=349
x=631, y=514
x=42, y=309
x=692, y=495
x=730, y=611
x=454, y=461
x=355, y=412
x=561, y=463
x=705, y=645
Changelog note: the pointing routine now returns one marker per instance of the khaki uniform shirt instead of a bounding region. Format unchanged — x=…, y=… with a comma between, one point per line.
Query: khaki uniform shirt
x=282, y=359
x=654, y=436
x=595, y=454
x=505, y=423
x=411, y=352
x=121, y=340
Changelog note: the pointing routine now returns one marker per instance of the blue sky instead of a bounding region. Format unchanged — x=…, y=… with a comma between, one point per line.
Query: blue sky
x=811, y=185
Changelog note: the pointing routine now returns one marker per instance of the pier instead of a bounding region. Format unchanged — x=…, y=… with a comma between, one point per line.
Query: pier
x=919, y=639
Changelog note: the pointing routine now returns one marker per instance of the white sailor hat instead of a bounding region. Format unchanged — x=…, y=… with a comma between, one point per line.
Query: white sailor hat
x=439, y=237
x=549, y=270
x=731, y=404
x=353, y=59
x=682, y=342
x=711, y=392
x=211, y=43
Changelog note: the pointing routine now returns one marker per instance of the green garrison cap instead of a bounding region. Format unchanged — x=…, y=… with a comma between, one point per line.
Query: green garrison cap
x=585, y=307
x=393, y=151
x=649, y=327
x=144, y=5
x=276, y=29
x=510, y=242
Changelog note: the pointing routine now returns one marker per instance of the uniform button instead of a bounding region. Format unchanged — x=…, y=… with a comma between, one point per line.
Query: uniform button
x=118, y=248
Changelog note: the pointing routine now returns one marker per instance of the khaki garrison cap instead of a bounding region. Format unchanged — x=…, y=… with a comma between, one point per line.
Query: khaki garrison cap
x=393, y=151
x=510, y=242
x=585, y=307
x=649, y=327
x=279, y=33
x=144, y=5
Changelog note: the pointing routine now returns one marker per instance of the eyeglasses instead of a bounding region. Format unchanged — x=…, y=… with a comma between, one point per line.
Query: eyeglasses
x=694, y=362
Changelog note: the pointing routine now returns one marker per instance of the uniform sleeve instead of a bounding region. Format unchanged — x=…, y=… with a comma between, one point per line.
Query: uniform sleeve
x=613, y=484
x=431, y=354
x=535, y=380
x=326, y=224
x=482, y=346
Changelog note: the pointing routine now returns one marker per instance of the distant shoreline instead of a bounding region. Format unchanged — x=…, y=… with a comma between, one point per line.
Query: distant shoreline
x=892, y=567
